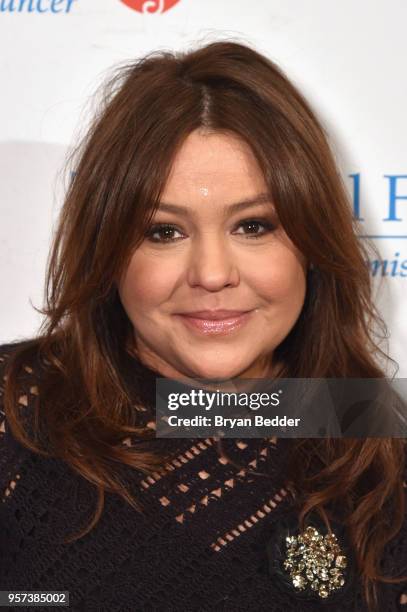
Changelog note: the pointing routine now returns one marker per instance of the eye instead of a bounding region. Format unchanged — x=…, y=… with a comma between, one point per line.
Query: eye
x=164, y=231
x=253, y=225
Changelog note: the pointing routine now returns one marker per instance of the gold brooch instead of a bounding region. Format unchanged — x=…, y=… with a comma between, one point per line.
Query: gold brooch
x=316, y=561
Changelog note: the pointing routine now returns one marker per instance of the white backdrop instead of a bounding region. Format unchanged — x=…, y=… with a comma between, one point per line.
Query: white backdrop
x=349, y=58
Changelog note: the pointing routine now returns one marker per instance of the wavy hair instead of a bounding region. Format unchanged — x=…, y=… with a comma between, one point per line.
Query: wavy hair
x=120, y=168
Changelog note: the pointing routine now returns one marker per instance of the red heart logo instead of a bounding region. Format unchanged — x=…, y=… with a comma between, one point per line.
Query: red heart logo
x=150, y=6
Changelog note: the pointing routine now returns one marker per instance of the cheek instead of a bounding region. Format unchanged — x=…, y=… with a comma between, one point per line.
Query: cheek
x=281, y=279
x=147, y=283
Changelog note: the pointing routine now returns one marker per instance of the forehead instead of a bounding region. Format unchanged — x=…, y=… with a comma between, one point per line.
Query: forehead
x=210, y=163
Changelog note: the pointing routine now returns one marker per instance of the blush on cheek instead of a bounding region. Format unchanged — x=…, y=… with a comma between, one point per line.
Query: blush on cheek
x=282, y=293
x=148, y=283
x=278, y=282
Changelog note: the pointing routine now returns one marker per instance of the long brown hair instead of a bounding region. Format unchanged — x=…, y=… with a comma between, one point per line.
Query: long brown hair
x=149, y=108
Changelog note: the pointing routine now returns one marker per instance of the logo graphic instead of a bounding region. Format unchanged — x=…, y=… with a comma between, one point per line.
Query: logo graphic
x=390, y=214
x=36, y=6
x=150, y=6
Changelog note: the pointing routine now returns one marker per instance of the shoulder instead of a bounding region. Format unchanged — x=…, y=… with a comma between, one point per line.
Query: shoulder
x=25, y=387
x=8, y=351
x=6, y=354
x=25, y=352
x=404, y=471
x=26, y=364
x=394, y=561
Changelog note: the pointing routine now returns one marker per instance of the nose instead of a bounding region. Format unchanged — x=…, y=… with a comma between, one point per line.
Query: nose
x=212, y=264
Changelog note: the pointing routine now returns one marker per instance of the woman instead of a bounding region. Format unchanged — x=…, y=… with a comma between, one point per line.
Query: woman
x=206, y=183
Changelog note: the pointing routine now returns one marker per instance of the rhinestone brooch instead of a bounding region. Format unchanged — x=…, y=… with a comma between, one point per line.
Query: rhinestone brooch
x=310, y=564
x=316, y=561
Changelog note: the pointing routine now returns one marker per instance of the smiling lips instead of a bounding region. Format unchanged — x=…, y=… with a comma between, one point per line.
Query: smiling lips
x=215, y=321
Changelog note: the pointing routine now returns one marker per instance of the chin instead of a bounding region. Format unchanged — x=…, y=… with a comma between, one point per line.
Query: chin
x=213, y=372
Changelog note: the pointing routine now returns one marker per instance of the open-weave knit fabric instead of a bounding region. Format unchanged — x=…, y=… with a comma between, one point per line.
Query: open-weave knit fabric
x=199, y=544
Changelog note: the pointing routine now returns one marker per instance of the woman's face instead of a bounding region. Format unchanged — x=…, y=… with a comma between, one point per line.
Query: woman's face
x=206, y=253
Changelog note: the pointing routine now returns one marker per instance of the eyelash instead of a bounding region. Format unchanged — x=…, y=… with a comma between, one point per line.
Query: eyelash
x=269, y=227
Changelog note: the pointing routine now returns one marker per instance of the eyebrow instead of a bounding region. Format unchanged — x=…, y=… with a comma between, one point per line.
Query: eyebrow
x=261, y=198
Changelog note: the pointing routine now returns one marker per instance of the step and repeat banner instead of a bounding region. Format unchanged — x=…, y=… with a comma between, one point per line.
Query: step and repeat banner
x=348, y=58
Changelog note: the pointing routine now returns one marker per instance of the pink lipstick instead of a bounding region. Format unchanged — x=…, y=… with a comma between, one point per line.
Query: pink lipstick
x=219, y=322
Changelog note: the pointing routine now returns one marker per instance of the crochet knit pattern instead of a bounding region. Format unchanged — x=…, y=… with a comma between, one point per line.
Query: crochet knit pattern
x=199, y=544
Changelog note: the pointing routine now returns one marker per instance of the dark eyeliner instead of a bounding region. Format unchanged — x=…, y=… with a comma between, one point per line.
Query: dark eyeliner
x=158, y=227
x=268, y=226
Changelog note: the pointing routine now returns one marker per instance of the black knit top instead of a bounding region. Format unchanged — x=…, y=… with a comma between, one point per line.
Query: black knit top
x=211, y=535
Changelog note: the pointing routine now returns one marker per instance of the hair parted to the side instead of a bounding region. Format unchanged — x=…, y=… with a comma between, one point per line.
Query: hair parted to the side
x=121, y=167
